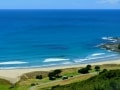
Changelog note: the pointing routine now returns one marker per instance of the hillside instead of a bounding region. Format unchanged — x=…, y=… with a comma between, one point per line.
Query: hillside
x=107, y=80
x=4, y=84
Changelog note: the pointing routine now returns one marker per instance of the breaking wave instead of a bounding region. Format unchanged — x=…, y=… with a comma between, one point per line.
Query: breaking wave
x=55, y=59
x=12, y=62
x=96, y=57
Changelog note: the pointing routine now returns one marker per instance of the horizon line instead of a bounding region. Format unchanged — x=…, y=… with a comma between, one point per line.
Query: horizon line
x=61, y=9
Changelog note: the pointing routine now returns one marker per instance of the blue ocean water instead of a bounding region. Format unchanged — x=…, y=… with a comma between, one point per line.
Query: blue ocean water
x=39, y=38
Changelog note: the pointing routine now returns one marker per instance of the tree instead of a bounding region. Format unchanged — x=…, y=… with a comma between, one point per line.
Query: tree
x=83, y=71
x=97, y=68
x=51, y=74
x=57, y=72
x=89, y=67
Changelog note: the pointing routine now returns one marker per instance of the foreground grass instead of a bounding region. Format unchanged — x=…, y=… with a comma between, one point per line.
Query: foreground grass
x=108, y=80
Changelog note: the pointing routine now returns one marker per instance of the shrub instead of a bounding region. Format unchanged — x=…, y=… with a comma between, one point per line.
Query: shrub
x=32, y=84
x=57, y=72
x=97, y=68
x=39, y=77
x=83, y=71
x=51, y=74
x=89, y=67
x=103, y=71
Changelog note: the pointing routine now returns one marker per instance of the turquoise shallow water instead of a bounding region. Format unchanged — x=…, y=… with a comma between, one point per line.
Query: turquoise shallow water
x=38, y=38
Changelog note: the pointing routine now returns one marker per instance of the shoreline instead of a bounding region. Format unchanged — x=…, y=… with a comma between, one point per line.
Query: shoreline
x=13, y=75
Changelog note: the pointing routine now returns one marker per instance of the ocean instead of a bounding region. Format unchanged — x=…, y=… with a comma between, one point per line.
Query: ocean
x=45, y=38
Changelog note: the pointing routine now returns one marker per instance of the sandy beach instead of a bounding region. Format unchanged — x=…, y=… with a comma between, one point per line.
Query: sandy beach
x=13, y=75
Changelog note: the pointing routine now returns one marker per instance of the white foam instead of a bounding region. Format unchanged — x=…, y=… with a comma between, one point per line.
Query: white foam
x=107, y=38
x=49, y=65
x=100, y=57
x=12, y=62
x=111, y=39
x=79, y=60
x=55, y=59
x=97, y=54
x=100, y=45
x=8, y=68
x=93, y=58
x=104, y=38
x=67, y=63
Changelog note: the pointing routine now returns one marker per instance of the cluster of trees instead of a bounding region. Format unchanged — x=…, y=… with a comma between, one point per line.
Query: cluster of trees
x=87, y=68
x=55, y=74
x=105, y=80
x=52, y=75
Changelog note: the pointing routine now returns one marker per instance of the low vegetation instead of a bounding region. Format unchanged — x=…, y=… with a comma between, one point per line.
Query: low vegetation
x=88, y=68
x=106, y=80
x=55, y=74
x=34, y=75
x=39, y=77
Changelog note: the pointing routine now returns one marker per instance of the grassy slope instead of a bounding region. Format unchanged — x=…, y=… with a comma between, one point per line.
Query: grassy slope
x=32, y=75
x=29, y=78
x=64, y=82
x=73, y=71
x=4, y=84
x=109, y=80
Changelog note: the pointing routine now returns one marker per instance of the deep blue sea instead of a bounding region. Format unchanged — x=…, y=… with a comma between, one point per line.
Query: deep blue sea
x=43, y=38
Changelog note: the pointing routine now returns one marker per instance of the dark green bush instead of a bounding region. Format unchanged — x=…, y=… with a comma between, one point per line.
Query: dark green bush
x=83, y=71
x=39, y=77
x=32, y=84
x=89, y=67
x=97, y=68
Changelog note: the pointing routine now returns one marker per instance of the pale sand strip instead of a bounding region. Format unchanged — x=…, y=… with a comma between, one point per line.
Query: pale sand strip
x=13, y=75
